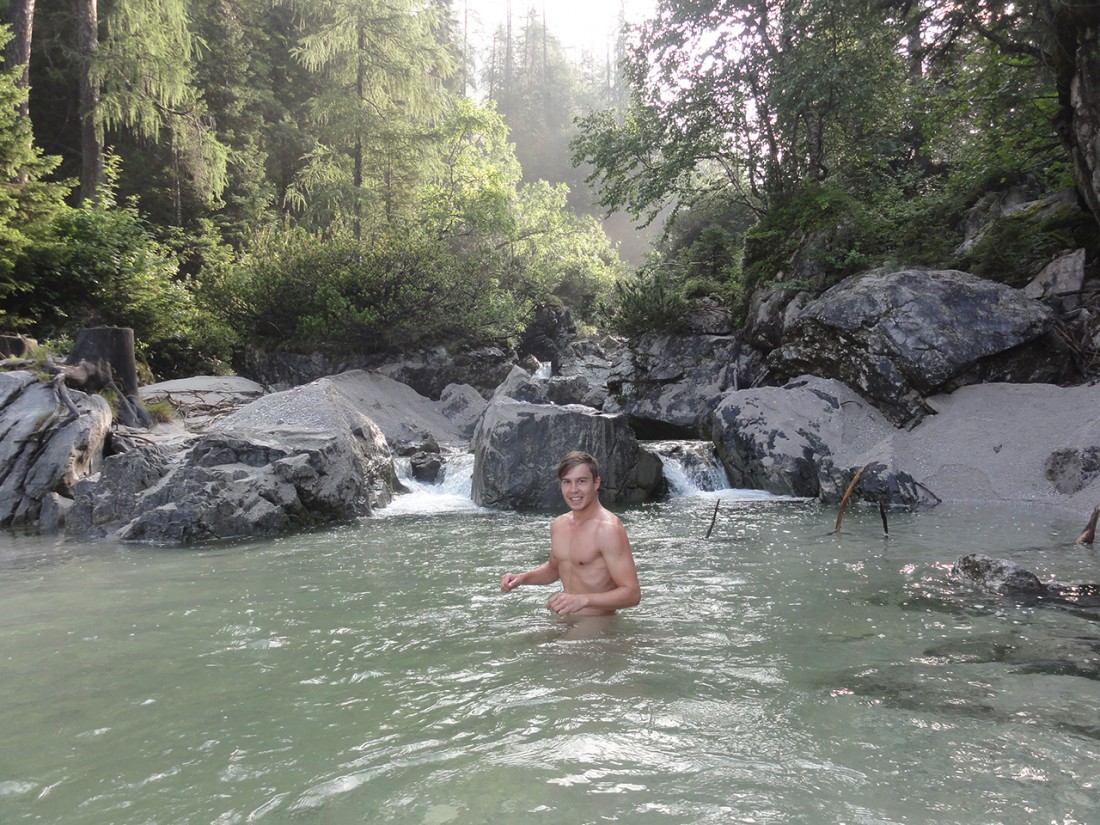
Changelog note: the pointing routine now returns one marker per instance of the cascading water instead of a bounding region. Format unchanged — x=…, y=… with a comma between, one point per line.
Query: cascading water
x=691, y=467
x=451, y=492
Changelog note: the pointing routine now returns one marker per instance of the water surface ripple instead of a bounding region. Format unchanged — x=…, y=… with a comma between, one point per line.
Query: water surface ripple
x=373, y=673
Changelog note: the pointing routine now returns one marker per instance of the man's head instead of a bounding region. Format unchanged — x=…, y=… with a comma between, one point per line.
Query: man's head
x=575, y=459
x=579, y=478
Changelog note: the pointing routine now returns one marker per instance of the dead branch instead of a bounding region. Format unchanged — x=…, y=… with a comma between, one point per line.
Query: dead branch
x=847, y=495
x=712, y=519
x=1089, y=533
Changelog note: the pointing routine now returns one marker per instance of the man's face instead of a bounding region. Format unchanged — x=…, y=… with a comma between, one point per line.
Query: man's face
x=578, y=488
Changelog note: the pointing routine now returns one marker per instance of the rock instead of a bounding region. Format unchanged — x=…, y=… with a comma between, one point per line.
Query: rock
x=426, y=466
x=427, y=371
x=1059, y=284
x=517, y=448
x=707, y=317
x=569, y=389
x=287, y=461
x=203, y=399
x=430, y=371
x=1072, y=469
x=403, y=415
x=768, y=316
x=520, y=385
x=44, y=450
x=808, y=439
x=668, y=384
x=548, y=335
x=997, y=576
x=462, y=405
x=898, y=337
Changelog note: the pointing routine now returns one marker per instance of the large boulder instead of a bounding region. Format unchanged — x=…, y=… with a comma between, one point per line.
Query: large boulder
x=288, y=461
x=430, y=371
x=668, y=384
x=808, y=438
x=45, y=449
x=517, y=448
x=897, y=337
x=402, y=414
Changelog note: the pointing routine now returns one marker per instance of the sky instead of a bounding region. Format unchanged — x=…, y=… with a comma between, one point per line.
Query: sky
x=581, y=25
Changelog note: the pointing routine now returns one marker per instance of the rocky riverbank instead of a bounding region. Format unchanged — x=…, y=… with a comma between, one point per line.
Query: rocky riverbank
x=934, y=386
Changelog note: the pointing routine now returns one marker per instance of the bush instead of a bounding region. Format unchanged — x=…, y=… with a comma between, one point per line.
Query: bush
x=649, y=302
x=296, y=291
x=100, y=265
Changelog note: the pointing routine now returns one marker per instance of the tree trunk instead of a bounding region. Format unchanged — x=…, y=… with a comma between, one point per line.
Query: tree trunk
x=1076, y=57
x=103, y=357
x=18, y=51
x=91, y=145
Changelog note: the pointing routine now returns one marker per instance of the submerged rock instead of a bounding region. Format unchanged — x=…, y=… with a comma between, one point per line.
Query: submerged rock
x=997, y=575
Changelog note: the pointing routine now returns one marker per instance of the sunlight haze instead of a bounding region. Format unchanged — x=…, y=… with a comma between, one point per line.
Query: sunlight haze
x=581, y=25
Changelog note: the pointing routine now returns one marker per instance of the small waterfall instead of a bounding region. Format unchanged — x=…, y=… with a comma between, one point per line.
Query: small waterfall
x=451, y=492
x=691, y=467
x=544, y=371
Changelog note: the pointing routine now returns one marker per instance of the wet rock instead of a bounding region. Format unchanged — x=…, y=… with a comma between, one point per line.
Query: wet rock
x=517, y=448
x=520, y=385
x=462, y=405
x=997, y=575
x=808, y=439
x=289, y=461
x=426, y=466
x=1072, y=469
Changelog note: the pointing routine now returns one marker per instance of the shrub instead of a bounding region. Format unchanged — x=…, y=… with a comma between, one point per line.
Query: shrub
x=649, y=301
x=299, y=292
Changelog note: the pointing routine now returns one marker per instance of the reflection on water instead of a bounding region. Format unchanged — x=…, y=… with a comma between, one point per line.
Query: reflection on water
x=373, y=673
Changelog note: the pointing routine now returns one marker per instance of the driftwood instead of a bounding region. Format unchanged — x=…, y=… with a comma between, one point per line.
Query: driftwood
x=882, y=514
x=847, y=495
x=713, y=518
x=16, y=346
x=1089, y=533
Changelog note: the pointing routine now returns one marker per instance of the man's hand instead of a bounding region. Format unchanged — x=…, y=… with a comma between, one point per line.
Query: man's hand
x=566, y=603
x=508, y=582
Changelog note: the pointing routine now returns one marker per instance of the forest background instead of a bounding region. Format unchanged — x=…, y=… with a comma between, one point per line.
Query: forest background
x=358, y=176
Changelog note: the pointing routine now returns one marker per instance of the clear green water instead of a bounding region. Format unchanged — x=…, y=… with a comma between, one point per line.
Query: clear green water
x=374, y=674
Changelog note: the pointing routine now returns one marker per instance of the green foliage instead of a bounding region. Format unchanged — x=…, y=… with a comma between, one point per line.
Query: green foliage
x=161, y=411
x=100, y=265
x=295, y=291
x=650, y=301
x=1014, y=249
x=27, y=201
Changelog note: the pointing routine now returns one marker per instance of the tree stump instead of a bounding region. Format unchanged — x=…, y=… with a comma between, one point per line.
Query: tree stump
x=103, y=357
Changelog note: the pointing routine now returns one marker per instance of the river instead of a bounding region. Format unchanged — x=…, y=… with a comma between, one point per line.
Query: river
x=373, y=673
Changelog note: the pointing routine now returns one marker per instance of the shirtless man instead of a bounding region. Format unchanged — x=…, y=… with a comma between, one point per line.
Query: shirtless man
x=589, y=550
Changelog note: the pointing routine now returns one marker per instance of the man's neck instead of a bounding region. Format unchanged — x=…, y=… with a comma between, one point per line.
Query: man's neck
x=588, y=513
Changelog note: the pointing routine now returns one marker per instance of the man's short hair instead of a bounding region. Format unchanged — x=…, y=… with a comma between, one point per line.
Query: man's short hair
x=575, y=459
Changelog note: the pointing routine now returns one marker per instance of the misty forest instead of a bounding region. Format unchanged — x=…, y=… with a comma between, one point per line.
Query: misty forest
x=363, y=176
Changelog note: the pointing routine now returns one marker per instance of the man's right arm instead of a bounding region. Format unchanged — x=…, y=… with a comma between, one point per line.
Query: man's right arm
x=546, y=573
